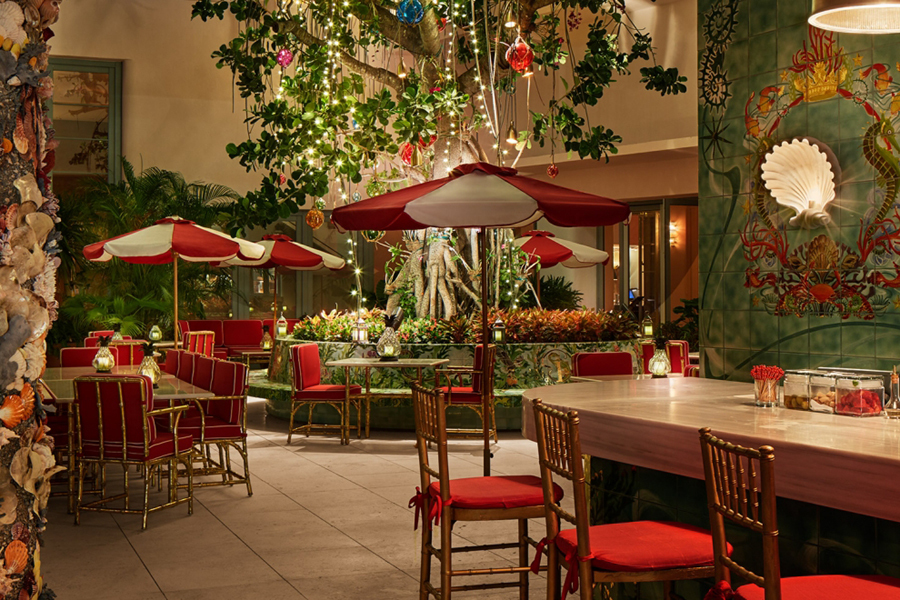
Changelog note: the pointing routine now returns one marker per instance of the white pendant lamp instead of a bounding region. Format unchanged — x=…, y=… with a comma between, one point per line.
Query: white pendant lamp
x=857, y=16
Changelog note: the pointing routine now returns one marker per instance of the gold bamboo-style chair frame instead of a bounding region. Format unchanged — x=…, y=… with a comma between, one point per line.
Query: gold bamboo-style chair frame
x=150, y=468
x=487, y=379
x=201, y=342
x=431, y=428
x=559, y=453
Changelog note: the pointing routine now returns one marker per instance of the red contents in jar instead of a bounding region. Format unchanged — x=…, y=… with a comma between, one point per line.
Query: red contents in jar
x=861, y=402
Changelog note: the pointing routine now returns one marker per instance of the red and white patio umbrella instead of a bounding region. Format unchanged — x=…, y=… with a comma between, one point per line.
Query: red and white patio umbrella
x=168, y=240
x=544, y=247
x=480, y=195
x=281, y=252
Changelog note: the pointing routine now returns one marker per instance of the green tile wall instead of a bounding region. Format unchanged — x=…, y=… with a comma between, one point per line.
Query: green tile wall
x=753, y=77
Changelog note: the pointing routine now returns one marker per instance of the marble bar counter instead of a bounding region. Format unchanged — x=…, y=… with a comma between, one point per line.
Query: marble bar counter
x=847, y=463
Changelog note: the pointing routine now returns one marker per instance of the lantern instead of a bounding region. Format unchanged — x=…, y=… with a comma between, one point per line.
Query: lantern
x=104, y=361
x=410, y=12
x=266, y=342
x=359, y=333
x=647, y=327
x=659, y=365
x=148, y=367
x=281, y=326
x=552, y=171
x=388, y=347
x=117, y=333
x=520, y=55
x=155, y=334
x=499, y=331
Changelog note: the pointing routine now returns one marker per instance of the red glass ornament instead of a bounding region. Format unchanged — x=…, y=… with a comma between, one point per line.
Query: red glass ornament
x=520, y=55
x=423, y=143
x=406, y=152
x=552, y=171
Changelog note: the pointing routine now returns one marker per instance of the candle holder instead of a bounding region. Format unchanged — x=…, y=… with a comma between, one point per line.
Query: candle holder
x=266, y=342
x=149, y=367
x=660, y=366
x=388, y=346
x=104, y=361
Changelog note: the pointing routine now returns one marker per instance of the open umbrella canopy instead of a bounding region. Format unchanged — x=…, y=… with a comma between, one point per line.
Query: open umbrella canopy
x=157, y=244
x=479, y=195
x=544, y=247
x=282, y=251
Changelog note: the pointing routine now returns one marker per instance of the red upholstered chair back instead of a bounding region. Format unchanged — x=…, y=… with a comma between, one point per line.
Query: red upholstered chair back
x=647, y=350
x=94, y=341
x=104, y=332
x=183, y=327
x=678, y=354
x=229, y=381
x=82, y=357
x=306, y=367
x=559, y=453
x=740, y=487
x=186, y=366
x=203, y=372
x=692, y=371
x=483, y=365
x=200, y=342
x=245, y=332
x=431, y=429
x=112, y=409
x=130, y=352
x=173, y=358
x=214, y=325
x=602, y=363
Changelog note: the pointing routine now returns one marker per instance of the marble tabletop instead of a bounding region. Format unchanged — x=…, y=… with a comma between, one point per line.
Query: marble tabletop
x=59, y=380
x=849, y=463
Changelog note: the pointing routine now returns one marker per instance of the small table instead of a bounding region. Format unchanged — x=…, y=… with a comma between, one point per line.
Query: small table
x=256, y=356
x=419, y=364
x=59, y=381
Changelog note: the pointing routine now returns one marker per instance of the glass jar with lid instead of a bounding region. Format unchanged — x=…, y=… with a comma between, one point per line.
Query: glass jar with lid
x=796, y=389
x=822, y=392
x=859, y=395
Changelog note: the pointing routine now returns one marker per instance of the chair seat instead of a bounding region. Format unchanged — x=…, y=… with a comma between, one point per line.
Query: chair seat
x=216, y=428
x=502, y=491
x=828, y=587
x=643, y=546
x=160, y=446
x=325, y=392
x=461, y=395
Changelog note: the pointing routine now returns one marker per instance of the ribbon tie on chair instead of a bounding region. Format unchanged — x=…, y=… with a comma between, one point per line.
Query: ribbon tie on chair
x=570, y=586
x=434, y=513
x=720, y=591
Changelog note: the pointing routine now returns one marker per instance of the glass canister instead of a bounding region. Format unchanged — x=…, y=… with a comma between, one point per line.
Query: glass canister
x=796, y=389
x=859, y=395
x=822, y=392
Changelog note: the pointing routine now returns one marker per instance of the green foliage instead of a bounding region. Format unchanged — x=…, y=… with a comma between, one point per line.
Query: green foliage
x=687, y=325
x=135, y=296
x=334, y=112
x=522, y=326
x=557, y=293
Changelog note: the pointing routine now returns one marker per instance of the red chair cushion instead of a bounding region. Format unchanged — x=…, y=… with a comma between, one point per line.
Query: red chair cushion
x=162, y=445
x=462, y=395
x=186, y=366
x=501, y=491
x=325, y=392
x=244, y=332
x=216, y=428
x=602, y=363
x=643, y=546
x=829, y=587
x=229, y=380
x=203, y=372
x=220, y=353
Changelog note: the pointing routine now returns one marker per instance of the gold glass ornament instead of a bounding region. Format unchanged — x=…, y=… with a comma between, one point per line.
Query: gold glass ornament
x=315, y=218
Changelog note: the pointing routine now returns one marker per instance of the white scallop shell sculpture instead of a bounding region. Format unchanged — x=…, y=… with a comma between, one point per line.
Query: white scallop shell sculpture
x=800, y=177
x=11, y=20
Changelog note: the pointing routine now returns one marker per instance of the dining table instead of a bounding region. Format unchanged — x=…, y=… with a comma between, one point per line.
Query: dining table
x=59, y=382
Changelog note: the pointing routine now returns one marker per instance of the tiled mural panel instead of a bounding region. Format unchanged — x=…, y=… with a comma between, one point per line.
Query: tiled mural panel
x=772, y=292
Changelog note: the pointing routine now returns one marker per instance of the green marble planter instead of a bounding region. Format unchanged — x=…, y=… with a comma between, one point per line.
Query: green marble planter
x=519, y=367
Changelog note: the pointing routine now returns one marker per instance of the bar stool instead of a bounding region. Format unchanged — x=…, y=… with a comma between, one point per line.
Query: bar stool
x=740, y=487
x=635, y=552
x=446, y=501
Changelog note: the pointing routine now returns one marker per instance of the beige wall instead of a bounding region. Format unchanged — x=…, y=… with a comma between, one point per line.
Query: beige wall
x=177, y=107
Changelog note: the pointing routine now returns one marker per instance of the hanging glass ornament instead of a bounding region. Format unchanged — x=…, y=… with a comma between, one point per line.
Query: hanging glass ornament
x=315, y=218
x=372, y=236
x=423, y=143
x=356, y=196
x=284, y=57
x=410, y=12
x=407, y=151
x=520, y=55
x=552, y=171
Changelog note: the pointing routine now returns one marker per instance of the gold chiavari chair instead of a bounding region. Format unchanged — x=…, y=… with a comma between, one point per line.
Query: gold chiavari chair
x=740, y=487
x=115, y=425
x=480, y=374
x=635, y=552
x=445, y=501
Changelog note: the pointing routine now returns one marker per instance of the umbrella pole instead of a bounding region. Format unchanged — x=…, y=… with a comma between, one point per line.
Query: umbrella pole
x=275, y=301
x=485, y=339
x=175, y=268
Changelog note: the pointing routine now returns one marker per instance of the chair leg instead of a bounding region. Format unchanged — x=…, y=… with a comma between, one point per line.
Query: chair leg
x=190, y=478
x=523, y=558
x=80, y=493
x=146, y=508
x=291, y=422
x=586, y=580
x=553, y=574
x=493, y=410
x=309, y=420
x=667, y=590
x=425, y=576
x=247, y=468
x=126, y=487
x=446, y=558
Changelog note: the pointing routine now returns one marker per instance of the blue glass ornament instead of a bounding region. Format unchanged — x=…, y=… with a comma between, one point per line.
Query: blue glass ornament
x=410, y=12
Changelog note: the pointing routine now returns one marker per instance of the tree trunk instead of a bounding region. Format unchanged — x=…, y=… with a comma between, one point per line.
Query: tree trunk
x=28, y=264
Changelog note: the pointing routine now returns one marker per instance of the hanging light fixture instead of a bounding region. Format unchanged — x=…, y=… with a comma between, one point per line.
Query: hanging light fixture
x=401, y=70
x=856, y=16
x=510, y=20
x=511, y=136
